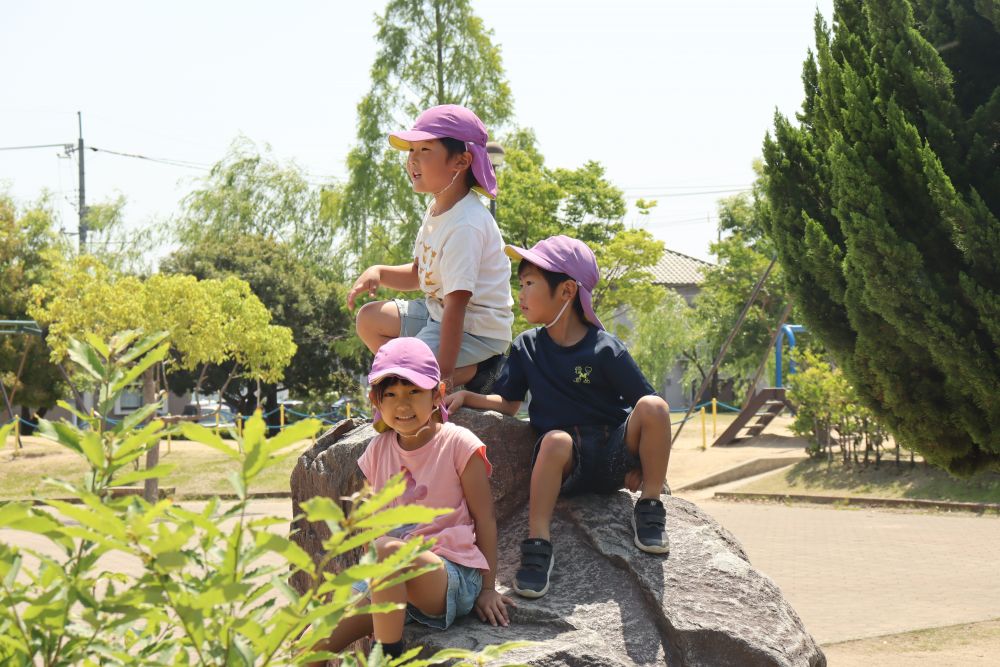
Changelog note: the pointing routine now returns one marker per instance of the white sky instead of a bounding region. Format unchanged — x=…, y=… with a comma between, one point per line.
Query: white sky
x=671, y=96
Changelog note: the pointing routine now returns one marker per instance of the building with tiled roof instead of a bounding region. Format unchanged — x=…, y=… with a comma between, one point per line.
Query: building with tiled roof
x=680, y=272
x=676, y=268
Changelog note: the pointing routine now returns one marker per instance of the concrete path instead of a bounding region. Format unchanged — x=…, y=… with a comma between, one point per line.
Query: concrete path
x=853, y=573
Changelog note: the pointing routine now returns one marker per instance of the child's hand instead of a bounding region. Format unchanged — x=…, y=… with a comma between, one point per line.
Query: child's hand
x=455, y=401
x=369, y=280
x=491, y=607
x=633, y=479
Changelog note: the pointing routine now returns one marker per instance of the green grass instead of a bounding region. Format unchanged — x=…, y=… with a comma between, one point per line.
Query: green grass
x=199, y=469
x=814, y=477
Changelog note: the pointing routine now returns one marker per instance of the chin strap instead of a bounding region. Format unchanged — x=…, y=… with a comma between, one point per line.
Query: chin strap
x=453, y=179
x=437, y=408
x=562, y=310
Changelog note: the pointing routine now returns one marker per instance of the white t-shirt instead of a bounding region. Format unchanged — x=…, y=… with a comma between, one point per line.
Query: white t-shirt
x=461, y=249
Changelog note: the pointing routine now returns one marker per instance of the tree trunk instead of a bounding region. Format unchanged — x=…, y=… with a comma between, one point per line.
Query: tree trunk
x=438, y=38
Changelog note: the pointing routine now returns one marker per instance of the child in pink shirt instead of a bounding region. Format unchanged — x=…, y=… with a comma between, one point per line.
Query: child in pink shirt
x=444, y=466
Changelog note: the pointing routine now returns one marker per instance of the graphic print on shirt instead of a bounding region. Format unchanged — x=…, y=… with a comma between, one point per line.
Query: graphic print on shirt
x=428, y=279
x=583, y=374
x=411, y=496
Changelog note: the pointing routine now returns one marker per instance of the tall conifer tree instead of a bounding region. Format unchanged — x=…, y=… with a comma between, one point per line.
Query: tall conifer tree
x=885, y=203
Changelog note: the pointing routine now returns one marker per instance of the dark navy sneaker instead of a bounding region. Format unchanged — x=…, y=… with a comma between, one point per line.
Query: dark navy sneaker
x=649, y=523
x=486, y=375
x=532, y=579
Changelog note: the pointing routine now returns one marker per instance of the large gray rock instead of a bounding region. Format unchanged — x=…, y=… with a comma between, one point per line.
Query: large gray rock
x=610, y=604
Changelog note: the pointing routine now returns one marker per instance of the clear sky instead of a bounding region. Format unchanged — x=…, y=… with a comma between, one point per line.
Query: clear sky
x=672, y=96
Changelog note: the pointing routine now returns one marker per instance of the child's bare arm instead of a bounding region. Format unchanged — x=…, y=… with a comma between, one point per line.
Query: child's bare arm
x=452, y=325
x=491, y=606
x=481, y=402
x=402, y=277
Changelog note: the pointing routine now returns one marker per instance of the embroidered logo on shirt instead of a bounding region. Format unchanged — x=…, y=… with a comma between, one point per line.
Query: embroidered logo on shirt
x=583, y=374
x=425, y=275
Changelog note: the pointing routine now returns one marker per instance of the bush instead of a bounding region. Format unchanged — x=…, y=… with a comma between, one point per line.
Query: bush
x=825, y=404
x=204, y=593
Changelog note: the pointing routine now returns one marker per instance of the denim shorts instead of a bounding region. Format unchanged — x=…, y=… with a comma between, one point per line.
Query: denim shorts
x=600, y=459
x=415, y=321
x=464, y=584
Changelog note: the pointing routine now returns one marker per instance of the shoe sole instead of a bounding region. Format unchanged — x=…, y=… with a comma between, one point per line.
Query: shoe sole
x=665, y=549
x=534, y=595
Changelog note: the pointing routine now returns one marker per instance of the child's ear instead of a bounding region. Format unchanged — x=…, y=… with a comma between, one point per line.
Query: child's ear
x=371, y=398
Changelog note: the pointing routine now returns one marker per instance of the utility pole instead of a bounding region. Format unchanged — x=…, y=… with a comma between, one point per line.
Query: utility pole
x=83, y=195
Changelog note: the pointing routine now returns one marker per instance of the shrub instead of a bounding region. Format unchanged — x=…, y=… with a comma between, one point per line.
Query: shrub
x=212, y=584
x=826, y=404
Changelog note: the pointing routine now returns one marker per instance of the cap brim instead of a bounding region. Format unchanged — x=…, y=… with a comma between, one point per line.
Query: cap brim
x=401, y=140
x=419, y=379
x=520, y=253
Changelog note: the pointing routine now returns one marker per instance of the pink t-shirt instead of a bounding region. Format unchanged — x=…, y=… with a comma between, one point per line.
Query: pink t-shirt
x=433, y=479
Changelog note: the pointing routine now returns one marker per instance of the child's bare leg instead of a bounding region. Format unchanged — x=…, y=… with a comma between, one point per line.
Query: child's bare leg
x=378, y=322
x=648, y=436
x=348, y=631
x=427, y=592
x=464, y=374
x=552, y=466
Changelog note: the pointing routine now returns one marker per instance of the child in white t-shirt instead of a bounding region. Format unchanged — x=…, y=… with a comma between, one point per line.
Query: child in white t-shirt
x=458, y=259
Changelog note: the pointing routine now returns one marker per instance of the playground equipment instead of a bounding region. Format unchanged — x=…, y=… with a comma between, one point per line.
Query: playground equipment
x=17, y=328
x=767, y=403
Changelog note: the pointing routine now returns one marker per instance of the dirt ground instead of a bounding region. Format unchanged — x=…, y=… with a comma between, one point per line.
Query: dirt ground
x=199, y=469
x=971, y=644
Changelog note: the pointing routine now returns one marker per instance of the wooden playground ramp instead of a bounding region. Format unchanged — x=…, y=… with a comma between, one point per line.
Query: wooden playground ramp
x=765, y=405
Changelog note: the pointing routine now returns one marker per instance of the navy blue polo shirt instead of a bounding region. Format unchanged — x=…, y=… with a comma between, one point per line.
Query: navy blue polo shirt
x=594, y=382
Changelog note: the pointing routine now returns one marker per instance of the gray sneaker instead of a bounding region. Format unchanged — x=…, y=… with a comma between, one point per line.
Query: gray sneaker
x=649, y=526
x=532, y=578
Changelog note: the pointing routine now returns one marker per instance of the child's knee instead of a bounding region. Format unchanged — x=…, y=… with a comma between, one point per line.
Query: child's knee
x=386, y=546
x=367, y=313
x=556, y=445
x=653, y=408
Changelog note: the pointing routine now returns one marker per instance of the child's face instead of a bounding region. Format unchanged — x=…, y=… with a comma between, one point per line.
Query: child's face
x=430, y=168
x=406, y=408
x=539, y=304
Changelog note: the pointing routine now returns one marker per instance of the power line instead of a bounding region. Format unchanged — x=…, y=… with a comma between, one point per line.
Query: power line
x=167, y=161
x=686, y=187
x=703, y=218
x=689, y=194
x=24, y=148
x=311, y=178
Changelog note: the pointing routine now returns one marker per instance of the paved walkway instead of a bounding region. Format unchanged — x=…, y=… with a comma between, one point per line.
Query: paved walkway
x=853, y=573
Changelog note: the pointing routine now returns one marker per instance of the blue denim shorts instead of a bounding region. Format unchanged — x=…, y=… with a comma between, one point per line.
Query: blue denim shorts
x=600, y=459
x=464, y=584
x=415, y=321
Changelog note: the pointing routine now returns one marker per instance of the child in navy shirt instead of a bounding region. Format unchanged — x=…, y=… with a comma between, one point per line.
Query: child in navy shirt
x=602, y=425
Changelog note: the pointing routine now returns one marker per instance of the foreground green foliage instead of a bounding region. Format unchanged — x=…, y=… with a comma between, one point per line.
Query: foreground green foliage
x=119, y=581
